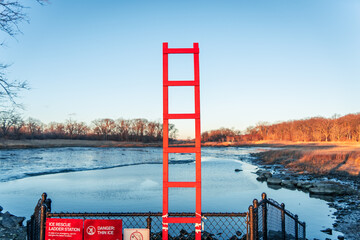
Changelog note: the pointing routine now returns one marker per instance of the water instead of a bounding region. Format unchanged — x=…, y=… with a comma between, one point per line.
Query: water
x=130, y=179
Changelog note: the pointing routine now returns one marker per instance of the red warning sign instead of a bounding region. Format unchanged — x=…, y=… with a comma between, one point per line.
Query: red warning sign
x=58, y=228
x=95, y=229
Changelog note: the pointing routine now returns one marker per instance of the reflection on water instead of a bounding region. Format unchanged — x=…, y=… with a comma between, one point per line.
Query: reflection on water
x=137, y=186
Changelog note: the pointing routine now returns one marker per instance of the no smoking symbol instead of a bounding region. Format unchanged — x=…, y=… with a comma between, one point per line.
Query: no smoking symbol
x=136, y=236
x=91, y=230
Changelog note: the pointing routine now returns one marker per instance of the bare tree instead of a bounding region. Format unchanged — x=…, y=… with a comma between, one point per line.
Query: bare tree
x=12, y=13
x=34, y=127
x=5, y=122
x=104, y=127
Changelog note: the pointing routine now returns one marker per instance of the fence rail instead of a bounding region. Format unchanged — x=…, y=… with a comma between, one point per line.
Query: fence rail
x=265, y=220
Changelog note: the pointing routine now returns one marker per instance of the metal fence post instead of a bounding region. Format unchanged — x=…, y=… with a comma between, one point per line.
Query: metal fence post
x=42, y=222
x=296, y=227
x=264, y=216
x=283, y=221
x=251, y=222
x=148, y=221
x=304, y=231
x=256, y=220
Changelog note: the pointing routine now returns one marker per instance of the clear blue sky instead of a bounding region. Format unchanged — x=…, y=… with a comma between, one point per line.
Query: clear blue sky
x=259, y=60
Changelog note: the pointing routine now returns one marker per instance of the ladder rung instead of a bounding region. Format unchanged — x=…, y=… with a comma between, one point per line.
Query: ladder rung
x=181, y=50
x=182, y=150
x=181, y=116
x=181, y=83
x=182, y=184
x=182, y=220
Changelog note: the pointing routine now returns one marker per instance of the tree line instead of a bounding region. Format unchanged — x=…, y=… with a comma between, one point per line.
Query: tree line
x=13, y=126
x=316, y=129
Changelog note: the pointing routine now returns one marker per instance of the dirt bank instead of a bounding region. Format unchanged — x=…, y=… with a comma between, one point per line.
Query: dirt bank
x=49, y=143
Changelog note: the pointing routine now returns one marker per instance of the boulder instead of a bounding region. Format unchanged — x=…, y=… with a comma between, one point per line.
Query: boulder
x=288, y=184
x=274, y=181
x=261, y=178
x=327, y=231
x=267, y=174
x=304, y=185
x=238, y=170
x=11, y=221
x=1, y=208
x=330, y=189
x=322, y=191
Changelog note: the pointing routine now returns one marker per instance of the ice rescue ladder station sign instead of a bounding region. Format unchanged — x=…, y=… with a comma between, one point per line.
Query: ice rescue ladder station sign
x=78, y=229
x=57, y=229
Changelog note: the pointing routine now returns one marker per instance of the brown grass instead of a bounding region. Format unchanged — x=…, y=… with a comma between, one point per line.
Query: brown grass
x=339, y=158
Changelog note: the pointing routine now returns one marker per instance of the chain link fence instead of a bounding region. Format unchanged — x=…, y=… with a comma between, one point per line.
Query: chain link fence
x=265, y=220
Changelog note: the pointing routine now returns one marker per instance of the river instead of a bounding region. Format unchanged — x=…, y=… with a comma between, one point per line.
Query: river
x=130, y=179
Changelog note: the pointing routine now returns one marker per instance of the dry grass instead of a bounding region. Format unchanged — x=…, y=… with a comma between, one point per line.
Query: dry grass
x=339, y=158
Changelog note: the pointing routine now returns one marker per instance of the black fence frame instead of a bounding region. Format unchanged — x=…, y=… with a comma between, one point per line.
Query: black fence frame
x=37, y=224
x=261, y=208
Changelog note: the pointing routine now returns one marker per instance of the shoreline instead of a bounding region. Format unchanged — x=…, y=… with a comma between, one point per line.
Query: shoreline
x=311, y=169
x=53, y=143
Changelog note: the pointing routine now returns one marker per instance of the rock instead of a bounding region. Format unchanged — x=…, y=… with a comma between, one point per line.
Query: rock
x=322, y=191
x=330, y=189
x=1, y=208
x=233, y=238
x=261, y=178
x=204, y=235
x=288, y=184
x=238, y=233
x=183, y=232
x=304, y=185
x=11, y=221
x=274, y=181
x=267, y=174
x=11, y=227
x=327, y=231
x=238, y=170
x=264, y=174
x=341, y=237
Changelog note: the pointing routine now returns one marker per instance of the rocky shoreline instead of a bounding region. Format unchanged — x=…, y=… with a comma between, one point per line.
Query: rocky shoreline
x=11, y=227
x=340, y=191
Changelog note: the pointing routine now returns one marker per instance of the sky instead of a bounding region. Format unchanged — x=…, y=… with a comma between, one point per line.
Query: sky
x=260, y=61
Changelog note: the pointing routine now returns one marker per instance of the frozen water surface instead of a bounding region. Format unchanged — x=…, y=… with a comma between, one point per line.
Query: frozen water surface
x=130, y=179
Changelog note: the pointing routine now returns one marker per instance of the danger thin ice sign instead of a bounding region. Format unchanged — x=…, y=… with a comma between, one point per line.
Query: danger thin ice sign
x=96, y=229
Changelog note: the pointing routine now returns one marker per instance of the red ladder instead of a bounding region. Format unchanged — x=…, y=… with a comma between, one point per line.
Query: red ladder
x=166, y=149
